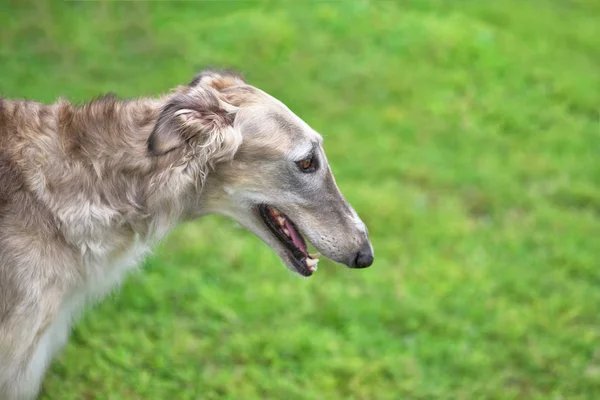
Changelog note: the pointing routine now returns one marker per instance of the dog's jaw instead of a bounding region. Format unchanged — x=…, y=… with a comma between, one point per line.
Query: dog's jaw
x=287, y=233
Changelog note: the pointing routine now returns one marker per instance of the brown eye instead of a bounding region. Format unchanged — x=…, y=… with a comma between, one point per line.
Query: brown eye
x=307, y=165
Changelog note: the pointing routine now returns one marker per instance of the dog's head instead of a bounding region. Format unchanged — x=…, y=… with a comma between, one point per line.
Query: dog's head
x=263, y=166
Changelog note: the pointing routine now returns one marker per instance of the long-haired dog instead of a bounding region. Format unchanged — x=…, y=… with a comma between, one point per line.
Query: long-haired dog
x=85, y=191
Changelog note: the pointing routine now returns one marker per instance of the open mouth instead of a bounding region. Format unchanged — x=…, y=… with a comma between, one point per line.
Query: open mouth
x=288, y=234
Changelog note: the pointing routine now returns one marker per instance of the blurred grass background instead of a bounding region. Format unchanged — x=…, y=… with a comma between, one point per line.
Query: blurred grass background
x=465, y=133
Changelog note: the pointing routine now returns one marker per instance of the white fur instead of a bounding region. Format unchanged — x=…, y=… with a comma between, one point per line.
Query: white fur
x=358, y=223
x=300, y=151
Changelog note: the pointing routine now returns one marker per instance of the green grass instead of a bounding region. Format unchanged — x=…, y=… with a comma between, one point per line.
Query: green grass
x=465, y=133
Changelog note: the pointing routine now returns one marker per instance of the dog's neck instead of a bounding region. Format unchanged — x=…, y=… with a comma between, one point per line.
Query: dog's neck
x=113, y=184
x=152, y=193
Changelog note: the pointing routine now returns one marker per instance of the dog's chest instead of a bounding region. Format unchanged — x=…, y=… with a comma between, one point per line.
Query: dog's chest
x=102, y=277
x=106, y=273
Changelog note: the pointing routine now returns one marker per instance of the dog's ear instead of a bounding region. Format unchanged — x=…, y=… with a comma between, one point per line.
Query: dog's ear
x=197, y=121
x=217, y=79
x=229, y=85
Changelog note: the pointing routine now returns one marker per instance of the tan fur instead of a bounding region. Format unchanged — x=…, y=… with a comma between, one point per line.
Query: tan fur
x=86, y=190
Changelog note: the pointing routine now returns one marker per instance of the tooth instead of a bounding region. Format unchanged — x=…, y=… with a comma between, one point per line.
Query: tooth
x=311, y=263
x=275, y=211
x=281, y=220
x=315, y=255
x=286, y=231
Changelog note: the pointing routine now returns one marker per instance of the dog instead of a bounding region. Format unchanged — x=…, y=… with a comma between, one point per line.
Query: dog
x=87, y=190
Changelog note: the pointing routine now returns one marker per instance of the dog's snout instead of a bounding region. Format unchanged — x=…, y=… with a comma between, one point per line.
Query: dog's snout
x=364, y=257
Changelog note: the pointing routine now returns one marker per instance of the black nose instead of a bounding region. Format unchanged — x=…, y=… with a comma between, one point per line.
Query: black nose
x=364, y=257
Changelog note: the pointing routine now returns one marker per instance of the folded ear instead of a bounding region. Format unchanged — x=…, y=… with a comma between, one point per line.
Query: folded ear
x=218, y=79
x=196, y=121
x=229, y=85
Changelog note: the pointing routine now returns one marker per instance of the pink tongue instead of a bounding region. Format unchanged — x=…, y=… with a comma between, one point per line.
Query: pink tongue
x=295, y=237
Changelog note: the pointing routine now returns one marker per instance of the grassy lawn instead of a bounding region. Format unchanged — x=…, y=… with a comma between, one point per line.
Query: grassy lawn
x=465, y=133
